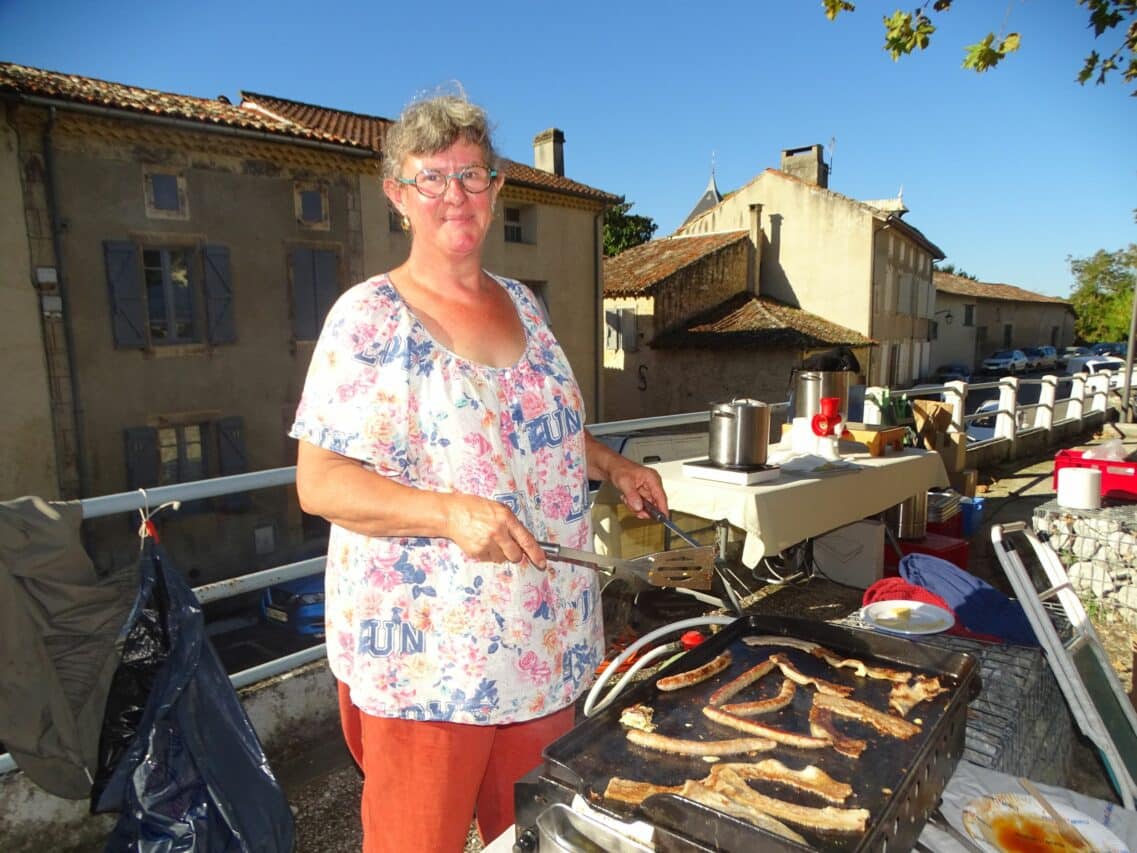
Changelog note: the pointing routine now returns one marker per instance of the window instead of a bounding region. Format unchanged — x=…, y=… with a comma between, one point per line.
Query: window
x=969, y=315
x=180, y=454
x=513, y=230
x=165, y=195
x=620, y=331
x=169, y=296
x=311, y=202
x=1008, y=334
x=181, y=449
x=165, y=295
x=315, y=286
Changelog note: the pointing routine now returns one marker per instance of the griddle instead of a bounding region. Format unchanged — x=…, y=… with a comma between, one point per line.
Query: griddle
x=898, y=781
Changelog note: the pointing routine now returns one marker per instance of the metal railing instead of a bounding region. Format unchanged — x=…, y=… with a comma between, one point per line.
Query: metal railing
x=1095, y=388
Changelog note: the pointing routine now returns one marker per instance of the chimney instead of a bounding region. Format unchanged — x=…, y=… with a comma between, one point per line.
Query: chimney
x=755, y=265
x=549, y=151
x=807, y=164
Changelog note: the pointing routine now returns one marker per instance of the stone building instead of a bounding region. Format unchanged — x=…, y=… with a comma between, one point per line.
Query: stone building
x=170, y=260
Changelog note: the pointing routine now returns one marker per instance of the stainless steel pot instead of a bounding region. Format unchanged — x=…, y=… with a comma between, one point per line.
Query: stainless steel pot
x=809, y=386
x=909, y=518
x=739, y=433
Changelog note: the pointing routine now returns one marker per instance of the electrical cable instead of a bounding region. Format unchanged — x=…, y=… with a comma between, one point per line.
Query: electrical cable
x=682, y=624
x=641, y=662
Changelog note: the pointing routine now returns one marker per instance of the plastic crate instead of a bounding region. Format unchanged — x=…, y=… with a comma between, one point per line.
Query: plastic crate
x=945, y=547
x=1118, y=478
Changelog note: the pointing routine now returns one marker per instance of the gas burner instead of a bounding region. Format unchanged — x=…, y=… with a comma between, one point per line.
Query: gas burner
x=739, y=475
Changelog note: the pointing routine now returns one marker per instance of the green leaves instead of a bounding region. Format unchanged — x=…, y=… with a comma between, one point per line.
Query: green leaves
x=905, y=32
x=834, y=7
x=986, y=54
x=623, y=230
x=1103, y=296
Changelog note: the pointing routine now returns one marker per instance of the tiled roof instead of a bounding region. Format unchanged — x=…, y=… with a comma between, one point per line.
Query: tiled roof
x=370, y=131
x=635, y=270
x=960, y=286
x=757, y=321
x=35, y=82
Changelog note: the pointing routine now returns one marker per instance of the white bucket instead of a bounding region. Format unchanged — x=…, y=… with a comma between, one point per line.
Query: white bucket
x=1079, y=488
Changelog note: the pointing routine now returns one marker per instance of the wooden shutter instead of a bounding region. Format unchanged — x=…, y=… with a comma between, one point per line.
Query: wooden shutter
x=629, y=339
x=141, y=445
x=128, y=302
x=220, y=323
x=326, y=275
x=304, y=321
x=232, y=459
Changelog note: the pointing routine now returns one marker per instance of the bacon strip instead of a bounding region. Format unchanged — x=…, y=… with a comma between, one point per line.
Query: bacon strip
x=763, y=706
x=884, y=723
x=821, y=725
x=700, y=793
x=776, y=640
x=810, y=778
x=826, y=818
x=905, y=697
x=861, y=668
x=822, y=686
x=695, y=676
x=682, y=746
x=745, y=680
x=764, y=731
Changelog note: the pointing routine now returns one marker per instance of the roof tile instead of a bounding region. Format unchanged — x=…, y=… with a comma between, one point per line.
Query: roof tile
x=89, y=91
x=960, y=286
x=746, y=320
x=635, y=270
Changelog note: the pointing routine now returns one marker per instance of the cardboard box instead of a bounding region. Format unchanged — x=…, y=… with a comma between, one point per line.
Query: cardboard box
x=964, y=481
x=852, y=555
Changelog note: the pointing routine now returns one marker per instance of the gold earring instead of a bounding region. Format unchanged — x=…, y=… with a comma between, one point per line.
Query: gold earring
x=405, y=222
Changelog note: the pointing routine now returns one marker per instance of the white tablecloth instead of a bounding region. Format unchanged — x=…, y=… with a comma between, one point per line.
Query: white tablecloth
x=802, y=503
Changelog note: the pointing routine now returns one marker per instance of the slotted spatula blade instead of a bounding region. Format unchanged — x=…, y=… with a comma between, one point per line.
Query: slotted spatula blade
x=692, y=568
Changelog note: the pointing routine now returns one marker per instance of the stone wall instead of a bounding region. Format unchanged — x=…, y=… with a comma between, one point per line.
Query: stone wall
x=1099, y=550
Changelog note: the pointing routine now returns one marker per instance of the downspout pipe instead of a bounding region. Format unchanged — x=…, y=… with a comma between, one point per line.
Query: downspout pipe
x=598, y=312
x=61, y=283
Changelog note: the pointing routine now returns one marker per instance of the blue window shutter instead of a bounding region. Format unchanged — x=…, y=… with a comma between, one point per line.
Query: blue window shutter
x=221, y=325
x=232, y=459
x=128, y=303
x=304, y=321
x=141, y=444
x=327, y=284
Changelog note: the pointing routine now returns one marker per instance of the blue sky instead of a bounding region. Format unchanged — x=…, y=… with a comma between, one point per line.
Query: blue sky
x=1009, y=172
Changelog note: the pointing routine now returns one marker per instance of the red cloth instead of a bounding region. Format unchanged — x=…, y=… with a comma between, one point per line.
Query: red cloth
x=898, y=589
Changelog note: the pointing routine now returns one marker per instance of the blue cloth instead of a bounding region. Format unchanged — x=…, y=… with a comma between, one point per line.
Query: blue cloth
x=978, y=606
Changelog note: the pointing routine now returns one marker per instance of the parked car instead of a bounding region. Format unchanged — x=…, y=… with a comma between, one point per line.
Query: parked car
x=1072, y=352
x=1005, y=361
x=297, y=605
x=947, y=373
x=1117, y=349
x=1093, y=363
x=1041, y=358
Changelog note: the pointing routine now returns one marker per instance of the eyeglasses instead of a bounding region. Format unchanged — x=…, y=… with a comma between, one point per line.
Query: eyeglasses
x=433, y=183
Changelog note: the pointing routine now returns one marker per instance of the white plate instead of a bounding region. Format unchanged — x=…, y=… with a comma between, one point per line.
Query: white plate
x=982, y=815
x=907, y=617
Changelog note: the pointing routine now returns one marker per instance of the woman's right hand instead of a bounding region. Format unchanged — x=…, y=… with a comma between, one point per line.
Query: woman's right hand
x=487, y=530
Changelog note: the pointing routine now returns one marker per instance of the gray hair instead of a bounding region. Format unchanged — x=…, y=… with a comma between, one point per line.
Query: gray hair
x=433, y=125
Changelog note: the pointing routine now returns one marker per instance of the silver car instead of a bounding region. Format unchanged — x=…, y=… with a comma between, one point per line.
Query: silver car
x=1005, y=361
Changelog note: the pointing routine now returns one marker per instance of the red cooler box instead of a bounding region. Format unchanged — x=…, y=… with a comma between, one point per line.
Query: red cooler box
x=945, y=547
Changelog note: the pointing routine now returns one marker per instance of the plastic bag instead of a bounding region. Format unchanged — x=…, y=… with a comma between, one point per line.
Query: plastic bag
x=178, y=757
x=1112, y=449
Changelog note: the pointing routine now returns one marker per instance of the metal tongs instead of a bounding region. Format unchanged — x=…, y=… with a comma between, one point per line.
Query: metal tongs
x=691, y=568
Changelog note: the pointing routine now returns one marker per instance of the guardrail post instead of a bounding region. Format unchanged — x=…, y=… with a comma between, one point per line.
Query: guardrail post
x=1007, y=422
x=955, y=395
x=872, y=413
x=1076, y=407
x=1097, y=386
x=1044, y=414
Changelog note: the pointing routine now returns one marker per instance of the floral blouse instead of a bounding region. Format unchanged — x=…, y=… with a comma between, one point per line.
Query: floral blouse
x=414, y=626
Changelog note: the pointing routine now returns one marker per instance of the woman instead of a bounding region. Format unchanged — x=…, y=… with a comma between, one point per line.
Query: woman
x=441, y=433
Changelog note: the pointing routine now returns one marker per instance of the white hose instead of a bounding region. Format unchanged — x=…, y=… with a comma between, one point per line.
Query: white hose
x=682, y=624
x=648, y=657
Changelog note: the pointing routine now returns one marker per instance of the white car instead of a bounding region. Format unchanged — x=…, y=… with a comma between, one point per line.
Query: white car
x=1005, y=361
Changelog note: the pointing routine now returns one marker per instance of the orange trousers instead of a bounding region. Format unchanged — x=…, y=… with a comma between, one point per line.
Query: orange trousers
x=424, y=781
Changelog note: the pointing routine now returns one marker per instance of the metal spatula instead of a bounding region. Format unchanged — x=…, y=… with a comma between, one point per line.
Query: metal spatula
x=692, y=568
